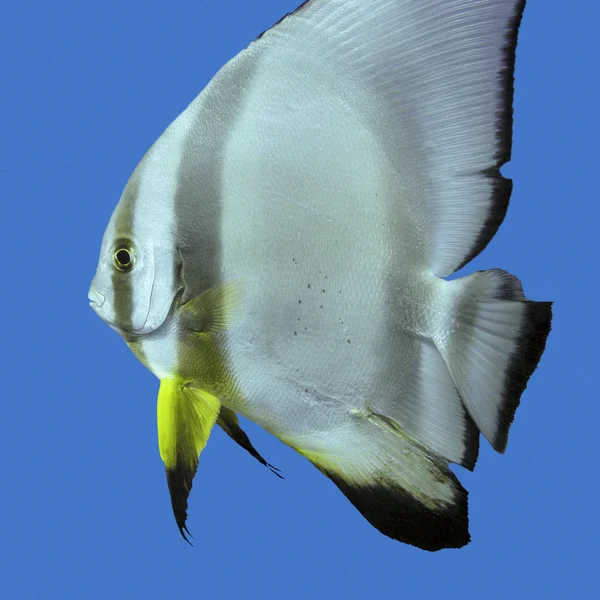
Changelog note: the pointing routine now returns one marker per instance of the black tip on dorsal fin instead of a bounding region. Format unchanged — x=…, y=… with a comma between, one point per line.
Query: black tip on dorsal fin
x=501, y=186
x=301, y=7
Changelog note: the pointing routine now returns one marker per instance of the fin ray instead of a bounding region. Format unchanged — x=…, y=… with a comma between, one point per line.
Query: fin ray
x=214, y=310
x=433, y=82
x=404, y=490
x=496, y=346
x=185, y=417
x=422, y=398
x=228, y=421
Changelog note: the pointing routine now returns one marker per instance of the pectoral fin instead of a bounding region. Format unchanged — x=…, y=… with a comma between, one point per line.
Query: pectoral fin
x=214, y=310
x=186, y=416
x=229, y=423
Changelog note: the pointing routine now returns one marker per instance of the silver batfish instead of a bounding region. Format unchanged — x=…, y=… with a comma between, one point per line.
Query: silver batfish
x=281, y=252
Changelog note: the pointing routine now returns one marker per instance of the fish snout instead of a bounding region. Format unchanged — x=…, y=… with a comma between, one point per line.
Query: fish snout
x=96, y=298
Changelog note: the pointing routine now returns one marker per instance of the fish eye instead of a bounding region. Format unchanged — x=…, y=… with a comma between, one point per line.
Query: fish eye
x=123, y=258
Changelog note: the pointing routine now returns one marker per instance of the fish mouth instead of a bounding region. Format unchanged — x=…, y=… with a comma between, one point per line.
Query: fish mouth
x=96, y=299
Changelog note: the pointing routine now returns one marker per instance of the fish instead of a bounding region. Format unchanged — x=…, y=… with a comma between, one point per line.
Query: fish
x=284, y=252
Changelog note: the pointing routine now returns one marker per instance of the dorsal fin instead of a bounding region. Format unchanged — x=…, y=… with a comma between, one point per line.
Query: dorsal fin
x=433, y=83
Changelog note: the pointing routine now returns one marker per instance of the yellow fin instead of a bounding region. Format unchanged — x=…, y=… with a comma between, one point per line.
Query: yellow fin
x=214, y=310
x=229, y=423
x=186, y=416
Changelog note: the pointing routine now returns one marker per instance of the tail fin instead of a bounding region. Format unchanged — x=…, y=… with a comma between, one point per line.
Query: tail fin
x=497, y=340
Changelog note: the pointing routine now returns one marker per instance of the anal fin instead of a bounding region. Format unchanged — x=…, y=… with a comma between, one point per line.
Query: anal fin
x=403, y=489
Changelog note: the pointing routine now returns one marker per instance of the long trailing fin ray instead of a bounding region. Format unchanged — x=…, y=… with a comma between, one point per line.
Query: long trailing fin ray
x=497, y=341
x=228, y=421
x=433, y=82
x=185, y=417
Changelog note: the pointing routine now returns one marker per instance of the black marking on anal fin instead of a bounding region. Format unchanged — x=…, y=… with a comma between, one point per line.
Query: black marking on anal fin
x=400, y=516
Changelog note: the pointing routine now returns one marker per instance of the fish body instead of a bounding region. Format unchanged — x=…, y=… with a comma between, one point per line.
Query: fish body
x=280, y=253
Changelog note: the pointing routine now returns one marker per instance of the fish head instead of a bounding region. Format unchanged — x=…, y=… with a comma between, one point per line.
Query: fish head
x=138, y=275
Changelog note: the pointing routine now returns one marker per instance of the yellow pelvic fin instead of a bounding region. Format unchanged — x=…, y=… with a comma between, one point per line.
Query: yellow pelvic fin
x=214, y=310
x=186, y=416
x=229, y=423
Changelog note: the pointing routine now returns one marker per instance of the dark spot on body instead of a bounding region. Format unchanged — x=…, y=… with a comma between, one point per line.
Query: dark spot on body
x=299, y=301
x=295, y=333
x=323, y=291
x=309, y=286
